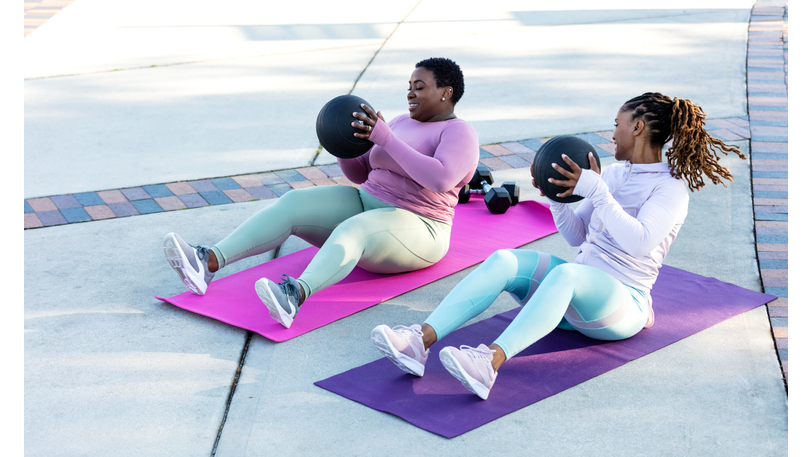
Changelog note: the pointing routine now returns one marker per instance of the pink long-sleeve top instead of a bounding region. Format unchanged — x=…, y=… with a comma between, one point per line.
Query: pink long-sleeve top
x=417, y=166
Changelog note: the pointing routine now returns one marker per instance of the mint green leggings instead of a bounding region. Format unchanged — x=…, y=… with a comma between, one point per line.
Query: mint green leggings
x=553, y=293
x=350, y=226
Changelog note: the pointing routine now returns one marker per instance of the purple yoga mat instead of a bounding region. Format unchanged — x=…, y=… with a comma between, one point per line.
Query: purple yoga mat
x=684, y=304
x=475, y=234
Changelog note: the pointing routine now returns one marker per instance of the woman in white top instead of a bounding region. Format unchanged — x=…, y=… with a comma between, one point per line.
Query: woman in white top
x=624, y=227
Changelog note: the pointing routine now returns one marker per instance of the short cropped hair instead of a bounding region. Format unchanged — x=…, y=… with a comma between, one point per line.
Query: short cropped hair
x=447, y=73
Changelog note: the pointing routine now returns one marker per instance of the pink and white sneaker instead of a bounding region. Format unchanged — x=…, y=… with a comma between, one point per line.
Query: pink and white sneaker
x=471, y=366
x=403, y=346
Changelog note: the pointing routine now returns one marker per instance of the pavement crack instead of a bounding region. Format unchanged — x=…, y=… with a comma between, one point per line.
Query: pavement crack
x=382, y=45
x=234, y=383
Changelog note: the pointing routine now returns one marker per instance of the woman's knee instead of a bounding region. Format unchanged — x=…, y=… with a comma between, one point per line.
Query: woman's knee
x=295, y=198
x=352, y=230
x=324, y=206
x=502, y=258
x=566, y=272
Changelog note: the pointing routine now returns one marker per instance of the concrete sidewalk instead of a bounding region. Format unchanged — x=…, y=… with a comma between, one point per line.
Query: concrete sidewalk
x=120, y=97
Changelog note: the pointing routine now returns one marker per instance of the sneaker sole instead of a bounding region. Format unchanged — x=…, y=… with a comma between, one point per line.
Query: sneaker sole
x=404, y=362
x=178, y=262
x=269, y=300
x=453, y=366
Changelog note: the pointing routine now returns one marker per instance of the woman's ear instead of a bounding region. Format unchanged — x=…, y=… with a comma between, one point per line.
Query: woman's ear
x=639, y=126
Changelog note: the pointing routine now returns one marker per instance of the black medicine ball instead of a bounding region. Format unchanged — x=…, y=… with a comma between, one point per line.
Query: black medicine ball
x=550, y=152
x=334, y=129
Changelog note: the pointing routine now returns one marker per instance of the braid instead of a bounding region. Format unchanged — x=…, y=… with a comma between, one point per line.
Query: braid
x=694, y=151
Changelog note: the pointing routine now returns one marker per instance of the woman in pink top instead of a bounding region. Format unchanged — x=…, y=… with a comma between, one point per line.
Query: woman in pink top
x=398, y=220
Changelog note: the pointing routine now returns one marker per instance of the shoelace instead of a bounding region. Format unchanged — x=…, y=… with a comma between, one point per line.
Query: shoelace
x=203, y=253
x=480, y=360
x=406, y=331
x=290, y=289
x=476, y=354
x=200, y=251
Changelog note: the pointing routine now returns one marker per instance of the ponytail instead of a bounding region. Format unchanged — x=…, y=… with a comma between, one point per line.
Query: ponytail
x=693, y=151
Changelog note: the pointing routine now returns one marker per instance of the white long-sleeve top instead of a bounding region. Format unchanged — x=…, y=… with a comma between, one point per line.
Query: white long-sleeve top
x=629, y=217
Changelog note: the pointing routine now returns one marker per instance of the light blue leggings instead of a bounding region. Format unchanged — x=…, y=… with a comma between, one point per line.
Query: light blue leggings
x=554, y=294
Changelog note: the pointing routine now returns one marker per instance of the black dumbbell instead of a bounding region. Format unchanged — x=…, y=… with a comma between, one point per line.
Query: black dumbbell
x=497, y=199
x=475, y=186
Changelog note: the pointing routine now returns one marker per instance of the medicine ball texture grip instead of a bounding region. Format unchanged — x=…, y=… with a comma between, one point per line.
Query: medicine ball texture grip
x=334, y=129
x=550, y=152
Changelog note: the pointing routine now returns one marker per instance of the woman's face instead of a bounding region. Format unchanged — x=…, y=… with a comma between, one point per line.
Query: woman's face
x=424, y=97
x=623, y=135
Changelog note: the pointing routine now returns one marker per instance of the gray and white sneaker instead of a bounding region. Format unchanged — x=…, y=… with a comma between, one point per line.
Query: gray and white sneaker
x=190, y=262
x=282, y=299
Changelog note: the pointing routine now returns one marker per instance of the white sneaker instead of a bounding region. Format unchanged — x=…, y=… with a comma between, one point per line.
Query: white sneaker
x=191, y=263
x=281, y=299
x=471, y=366
x=403, y=346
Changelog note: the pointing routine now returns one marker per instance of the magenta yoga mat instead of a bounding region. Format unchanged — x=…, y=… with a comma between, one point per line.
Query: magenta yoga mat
x=684, y=304
x=476, y=233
